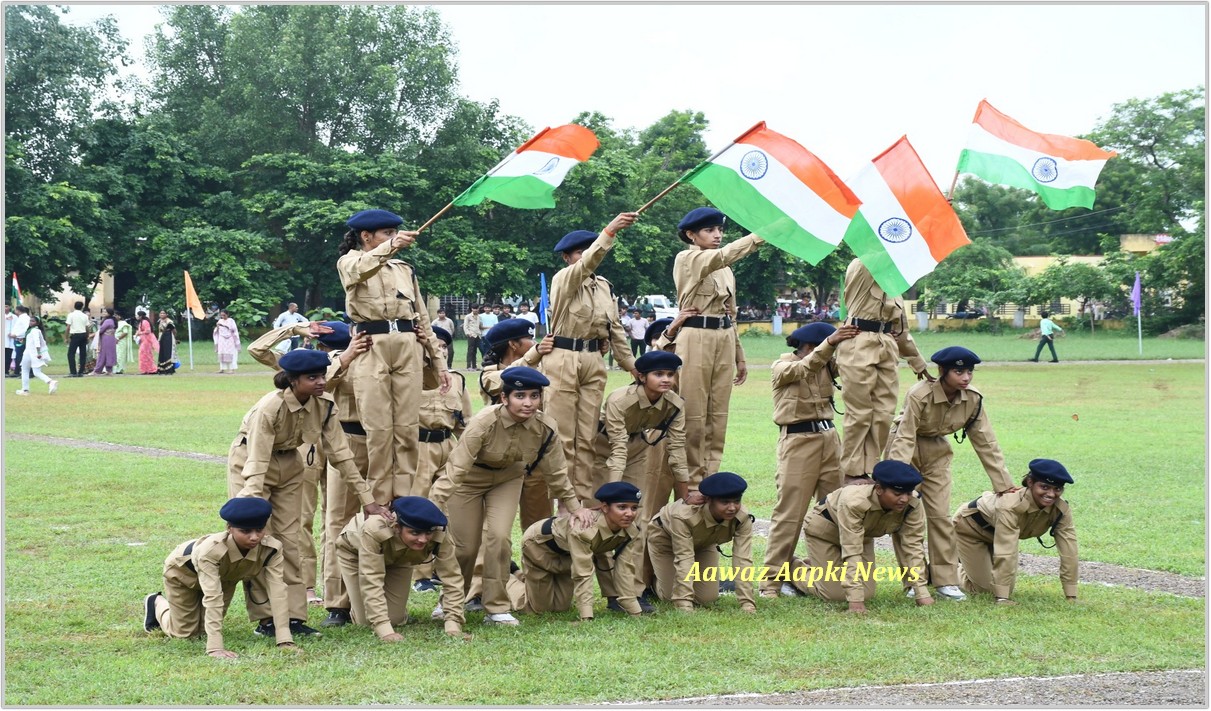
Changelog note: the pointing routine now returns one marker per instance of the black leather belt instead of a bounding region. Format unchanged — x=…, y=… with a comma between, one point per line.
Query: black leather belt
x=577, y=344
x=873, y=326
x=244, y=442
x=373, y=327
x=481, y=465
x=433, y=436
x=353, y=428
x=546, y=531
x=809, y=426
x=979, y=517
x=601, y=429
x=715, y=322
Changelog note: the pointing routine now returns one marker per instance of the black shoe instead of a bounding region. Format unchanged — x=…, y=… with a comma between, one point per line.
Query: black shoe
x=1053, y=361
x=612, y=604
x=266, y=629
x=425, y=585
x=645, y=607
x=150, y=623
x=299, y=628
x=513, y=567
x=727, y=587
x=337, y=618
x=1033, y=360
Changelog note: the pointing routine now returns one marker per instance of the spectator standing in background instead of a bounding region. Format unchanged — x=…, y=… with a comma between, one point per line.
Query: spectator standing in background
x=527, y=314
x=473, y=333
x=446, y=323
x=78, y=327
x=9, y=317
x=488, y=317
x=290, y=317
x=637, y=328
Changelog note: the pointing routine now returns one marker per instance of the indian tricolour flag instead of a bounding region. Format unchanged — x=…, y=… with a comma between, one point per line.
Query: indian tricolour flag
x=778, y=190
x=528, y=176
x=1060, y=169
x=16, y=289
x=905, y=227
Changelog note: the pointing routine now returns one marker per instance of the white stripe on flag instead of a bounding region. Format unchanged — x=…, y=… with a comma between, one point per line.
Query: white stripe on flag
x=782, y=188
x=547, y=167
x=879, y=204
x=1069, y=173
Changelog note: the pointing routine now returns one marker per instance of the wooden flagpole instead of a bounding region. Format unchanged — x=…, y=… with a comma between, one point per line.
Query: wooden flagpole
x=690, y=172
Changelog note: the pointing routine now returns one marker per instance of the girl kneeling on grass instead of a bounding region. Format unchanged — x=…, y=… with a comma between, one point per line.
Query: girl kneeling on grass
x=989, y=528
x=377, y=557
x=200, y=577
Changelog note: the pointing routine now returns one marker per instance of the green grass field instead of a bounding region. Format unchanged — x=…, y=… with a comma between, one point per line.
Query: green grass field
x=87, y=532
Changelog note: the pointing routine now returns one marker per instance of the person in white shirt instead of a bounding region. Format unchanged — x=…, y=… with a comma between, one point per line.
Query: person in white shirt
x=17, y=333
x=473, y=333
x=445, y=322
x=637, y=328
x=78, y=326
x=527, y=314
x=290, y=317
x=36, y=355
x=9, y=317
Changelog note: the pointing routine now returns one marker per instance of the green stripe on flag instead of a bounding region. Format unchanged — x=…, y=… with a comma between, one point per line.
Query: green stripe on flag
x=1006, y=171
x=523, y=191
x=733, y=195
x=869, y=248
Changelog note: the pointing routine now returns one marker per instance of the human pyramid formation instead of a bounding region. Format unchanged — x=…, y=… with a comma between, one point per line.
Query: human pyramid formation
x=419, y=494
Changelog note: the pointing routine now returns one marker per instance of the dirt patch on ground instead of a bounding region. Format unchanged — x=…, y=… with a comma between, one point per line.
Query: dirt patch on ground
x=110, y=447
x=1090, y=572
x=1160, y=688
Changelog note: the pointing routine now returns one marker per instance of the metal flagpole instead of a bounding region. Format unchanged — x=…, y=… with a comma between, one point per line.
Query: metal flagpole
x=189, y=325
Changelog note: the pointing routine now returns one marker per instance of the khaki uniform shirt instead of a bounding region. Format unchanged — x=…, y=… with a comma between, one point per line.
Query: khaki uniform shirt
x=857, y=516
x=864, y=299
x=628, y=412
x=262, y=351
x=803, y=387
x=705, y=281
x=691, y=527
x=583, y=305
x=1015, y=517
x=593, y=548
x=490, y=385
x=278, y=422
x=381, y=288
x=374, y=541
x=448, y=411
x=927, y=413
x=220, y=565
x=493, y=438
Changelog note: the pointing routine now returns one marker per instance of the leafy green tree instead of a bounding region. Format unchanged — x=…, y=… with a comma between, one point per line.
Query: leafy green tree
x=981, y=273
x=1077, y=281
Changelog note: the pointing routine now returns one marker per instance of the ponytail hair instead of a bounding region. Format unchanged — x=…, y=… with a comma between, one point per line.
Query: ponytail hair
x=495, y=354
x=351, y=240
x=282, y=379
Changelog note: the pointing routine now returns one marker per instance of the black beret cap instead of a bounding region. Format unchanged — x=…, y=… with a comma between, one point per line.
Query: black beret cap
x=246, y=512
x=723, y=485
x=418, y=513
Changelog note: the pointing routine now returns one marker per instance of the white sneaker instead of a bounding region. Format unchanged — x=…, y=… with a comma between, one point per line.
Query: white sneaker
x=501, y=618
x=951, y=592
x=21, y=392
x=438, y=613
x=912, y=594
x=54, y=385
x=788, y=590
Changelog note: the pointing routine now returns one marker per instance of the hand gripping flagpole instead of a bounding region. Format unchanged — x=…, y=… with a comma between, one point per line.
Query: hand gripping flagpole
x=690, y=173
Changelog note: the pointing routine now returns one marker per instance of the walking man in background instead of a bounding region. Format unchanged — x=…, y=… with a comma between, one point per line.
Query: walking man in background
x=78, y=327
x=473, y=333
x=291, y=317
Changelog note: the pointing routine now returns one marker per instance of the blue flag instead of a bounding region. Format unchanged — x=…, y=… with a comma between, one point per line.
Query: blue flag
x=544, y=302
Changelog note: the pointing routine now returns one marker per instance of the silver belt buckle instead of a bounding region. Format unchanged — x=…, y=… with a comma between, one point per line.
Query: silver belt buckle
x=392, y=326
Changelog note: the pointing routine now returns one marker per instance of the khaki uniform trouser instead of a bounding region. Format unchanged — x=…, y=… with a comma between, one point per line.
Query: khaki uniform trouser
x=545, y=582
x=179, y=607
x=578, y=381
x=433, y=456
x=932, y=459
x=340, y=506
x=975, y=555
x=709, y=367
x=821, y=551
x=660, y=551
x=639, y=453
x=397, y=583
x=481, y=513
x=387, y=386
x=315, y=485
x=283, y=489
x=868, y=366
x=809, y=464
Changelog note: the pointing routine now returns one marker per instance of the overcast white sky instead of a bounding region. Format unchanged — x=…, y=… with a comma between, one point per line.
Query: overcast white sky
x=846, y=81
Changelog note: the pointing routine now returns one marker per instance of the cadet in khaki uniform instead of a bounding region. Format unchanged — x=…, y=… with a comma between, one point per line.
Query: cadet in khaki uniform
x=583, y=314
x=200, y=577
x=933, y=411
x=558, y=562
x=682, y=534
x=990, y=527
x=377, y=557
x=809, y=450
x=331, y=337
x=501, y=445
x=868, y=365
x=383, y=298
x=841, y=532
x=443, y=416
x=714, y=359
x=264, y=461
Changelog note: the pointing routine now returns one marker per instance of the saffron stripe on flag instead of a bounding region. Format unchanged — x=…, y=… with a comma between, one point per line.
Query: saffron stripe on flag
x=1053, y=145
x=914, y=189
x=1069, y=173
x=814, y=174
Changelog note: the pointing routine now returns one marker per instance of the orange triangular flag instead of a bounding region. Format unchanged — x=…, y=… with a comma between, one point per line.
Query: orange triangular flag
x=192, y=302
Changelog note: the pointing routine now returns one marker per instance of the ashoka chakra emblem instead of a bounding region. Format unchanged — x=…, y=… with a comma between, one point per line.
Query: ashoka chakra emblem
x=1045, y=170
x=548, y=167
x=754, y=165
x=895, y=230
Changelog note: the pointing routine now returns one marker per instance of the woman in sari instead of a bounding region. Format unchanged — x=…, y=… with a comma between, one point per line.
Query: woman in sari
x=125, y=335
x=147, y=346
x=226, y=342
x=168, y=346
x=107, y=344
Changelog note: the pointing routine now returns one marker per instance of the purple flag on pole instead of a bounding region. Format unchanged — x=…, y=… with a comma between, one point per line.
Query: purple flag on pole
x=1135, y=296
